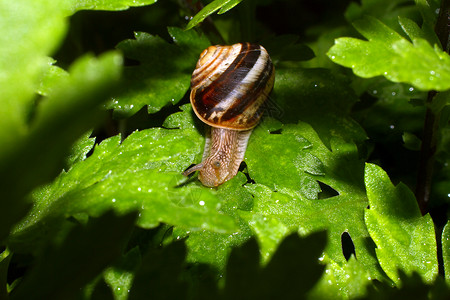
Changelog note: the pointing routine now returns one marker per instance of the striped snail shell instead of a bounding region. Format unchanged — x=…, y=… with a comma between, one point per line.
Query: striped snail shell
x=228, y=89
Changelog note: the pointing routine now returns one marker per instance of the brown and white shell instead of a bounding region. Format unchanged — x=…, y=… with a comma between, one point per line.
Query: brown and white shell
x=228, y=89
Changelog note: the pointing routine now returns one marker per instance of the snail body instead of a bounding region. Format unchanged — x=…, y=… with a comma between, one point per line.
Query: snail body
x=228, y=89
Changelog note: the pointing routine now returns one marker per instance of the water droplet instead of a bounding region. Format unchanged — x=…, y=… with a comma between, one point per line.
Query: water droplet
x=202, y=203
x=394, y=93
x=131, y=106
x=391, y=126
x=139, y=189
x=448, y=195
x=149, y=190
x=113, y=200
x=333, y=57
x=374, y=92
x=432, y=72
x=411, y=89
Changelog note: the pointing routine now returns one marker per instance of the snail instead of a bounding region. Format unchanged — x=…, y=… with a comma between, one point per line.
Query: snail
x=228, y=89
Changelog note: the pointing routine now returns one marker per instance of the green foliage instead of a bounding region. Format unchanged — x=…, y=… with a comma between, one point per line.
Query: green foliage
x=223, y=5
x=405, y=240
x=154, y=77
x=387, y=53
x=93, y=204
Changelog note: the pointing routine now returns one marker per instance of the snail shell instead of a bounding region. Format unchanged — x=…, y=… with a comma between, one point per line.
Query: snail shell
x=228, y=89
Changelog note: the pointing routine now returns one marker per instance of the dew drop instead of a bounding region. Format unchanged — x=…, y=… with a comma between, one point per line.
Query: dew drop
x=139, y=189
x=411, y=89
x=114, y=200
x=374, y=92
x=394, y=93
x=391, y=126
x=202, y=203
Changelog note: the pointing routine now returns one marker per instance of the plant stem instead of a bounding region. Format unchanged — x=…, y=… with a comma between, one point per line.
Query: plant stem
x=431, y=126
x=427, y=157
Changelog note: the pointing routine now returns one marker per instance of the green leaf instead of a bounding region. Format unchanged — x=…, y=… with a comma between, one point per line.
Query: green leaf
x=120, y=275
x=80, y=149
x=411, y=141
x=319, y=98
x=51, y=76
x=351, y=280
x=387, y=53
x=429, y=10
x=29, y=32
x=77, y=5
x=214, y=247
x=5, y=258
x=405, y=240
x=163, y=75
x=223, y=5
x=63, y=269
x=290, y=202
x=38, y=157
x=446, y=251
x=141, y=173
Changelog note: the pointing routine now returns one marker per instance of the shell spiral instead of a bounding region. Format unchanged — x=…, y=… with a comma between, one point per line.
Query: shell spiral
x=230, y=85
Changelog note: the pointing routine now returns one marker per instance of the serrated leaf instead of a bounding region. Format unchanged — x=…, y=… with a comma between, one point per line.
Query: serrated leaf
x=279, y=201
x=212, y=247
x=80, y=149
x=350, y=280
x=141, y=173
x=388, y=54
x=405, y=240
x=163, y=75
